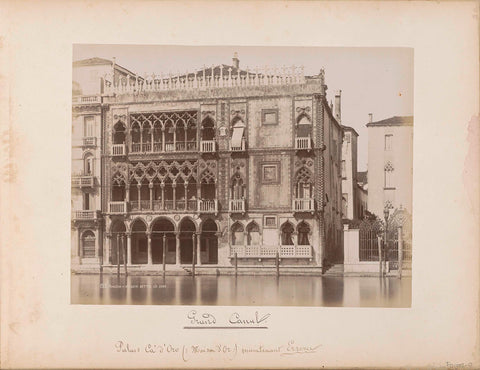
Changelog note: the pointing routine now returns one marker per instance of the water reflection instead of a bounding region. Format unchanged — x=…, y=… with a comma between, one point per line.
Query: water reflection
x=242, y=290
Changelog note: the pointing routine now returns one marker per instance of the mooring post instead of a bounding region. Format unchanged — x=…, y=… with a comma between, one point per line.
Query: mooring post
x=118, y=254
x=236, y=263
x=277, y=263
x=400, y=252
x=379, y=243
x=164, y=248
x=193, y=254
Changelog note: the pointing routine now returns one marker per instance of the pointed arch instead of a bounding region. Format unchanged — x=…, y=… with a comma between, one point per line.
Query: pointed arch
x=304, y=126
x=287, y=229
x=237, y=233
x=208, y=128
x=253, y=233
x=303, y=230
x=118, y=133
x=303, y=184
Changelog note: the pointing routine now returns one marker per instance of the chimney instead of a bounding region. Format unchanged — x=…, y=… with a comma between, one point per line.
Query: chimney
x=338, y=109
x=370, y=117
x=235, y=60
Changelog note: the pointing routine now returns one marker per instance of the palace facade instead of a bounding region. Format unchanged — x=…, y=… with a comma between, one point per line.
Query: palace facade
x=210, y=167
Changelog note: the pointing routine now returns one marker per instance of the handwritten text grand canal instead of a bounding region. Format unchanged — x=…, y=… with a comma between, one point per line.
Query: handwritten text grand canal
x=226, y=351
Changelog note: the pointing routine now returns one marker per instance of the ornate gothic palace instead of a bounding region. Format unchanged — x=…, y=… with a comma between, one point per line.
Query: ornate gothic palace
x=214, y=167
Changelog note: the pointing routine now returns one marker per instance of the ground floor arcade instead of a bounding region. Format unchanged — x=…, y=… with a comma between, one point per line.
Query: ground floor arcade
x=161, y=242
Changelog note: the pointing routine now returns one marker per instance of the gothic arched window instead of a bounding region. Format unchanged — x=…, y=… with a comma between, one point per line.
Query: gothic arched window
x=389, y=170
x=287, y=233
x=237, y=234
x=237, y=187
x=303, y=234
x=253, y=234
x=303, y=184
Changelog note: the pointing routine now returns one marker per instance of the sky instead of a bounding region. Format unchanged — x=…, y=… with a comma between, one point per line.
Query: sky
x=372, y=80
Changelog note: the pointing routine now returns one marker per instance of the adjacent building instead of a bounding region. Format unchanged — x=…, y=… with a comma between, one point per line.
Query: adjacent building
x=390, y=164
x=204, y=167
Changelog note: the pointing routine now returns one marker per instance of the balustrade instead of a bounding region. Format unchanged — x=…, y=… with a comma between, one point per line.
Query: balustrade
x=237, y=205
x=85, y=215
x=207, y=205
x=86, y=99
x=118, y=149
x=303, y=143
x=270, y=251
x=222, y=78
x=303, y=205
x=240, y=148
x=207, y=146
x=83, y=181
x=117, y=207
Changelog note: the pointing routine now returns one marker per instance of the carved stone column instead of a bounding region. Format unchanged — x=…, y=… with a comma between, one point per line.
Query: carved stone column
x=129, y=248
x=150, y=186
x=106, y=260
x=149, y=248
x=199, y=259
x=177, y=248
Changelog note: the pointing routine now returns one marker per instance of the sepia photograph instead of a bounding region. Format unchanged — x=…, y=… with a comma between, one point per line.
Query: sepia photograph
x=239, y=184
x=265, y=176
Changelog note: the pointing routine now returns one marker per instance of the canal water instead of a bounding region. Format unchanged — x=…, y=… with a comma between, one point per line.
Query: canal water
x=326, y=291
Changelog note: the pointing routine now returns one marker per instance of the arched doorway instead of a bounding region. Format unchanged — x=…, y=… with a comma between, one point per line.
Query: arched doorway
x=163, y=231
x=187, y=229
x=209, y=243
x=139, y=242
x=118, y=243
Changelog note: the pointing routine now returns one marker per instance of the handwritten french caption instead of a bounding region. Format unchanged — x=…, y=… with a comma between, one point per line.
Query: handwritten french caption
x=187, y=352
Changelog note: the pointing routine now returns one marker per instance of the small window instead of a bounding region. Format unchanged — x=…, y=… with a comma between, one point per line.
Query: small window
x=347, y=137
x=270, y=173
x=270, y=221
x=388, y=142
x=269, y=116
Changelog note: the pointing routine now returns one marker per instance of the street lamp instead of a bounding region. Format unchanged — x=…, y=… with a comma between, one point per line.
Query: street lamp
x=386, y=212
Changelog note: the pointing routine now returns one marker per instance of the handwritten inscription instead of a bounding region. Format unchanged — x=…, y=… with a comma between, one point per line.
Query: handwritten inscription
x=225, y=350
x=207, y=319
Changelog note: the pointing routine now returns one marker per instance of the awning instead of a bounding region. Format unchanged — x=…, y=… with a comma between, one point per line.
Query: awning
x=237, y=136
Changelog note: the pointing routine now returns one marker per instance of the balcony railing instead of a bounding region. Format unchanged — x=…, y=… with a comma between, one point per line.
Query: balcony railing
x=86, y=99
x=240, y=148
x=85, y=215
x=157, y=147
x=168, y=205
x=118, y=149
x=270, y=251
x=237, y=205
x=117, y=207
x=303, y=143
x=303, y=205
x=207, y=206
x=207, y=146
x=141, y=205
x=83, y=181
x=90, y=141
